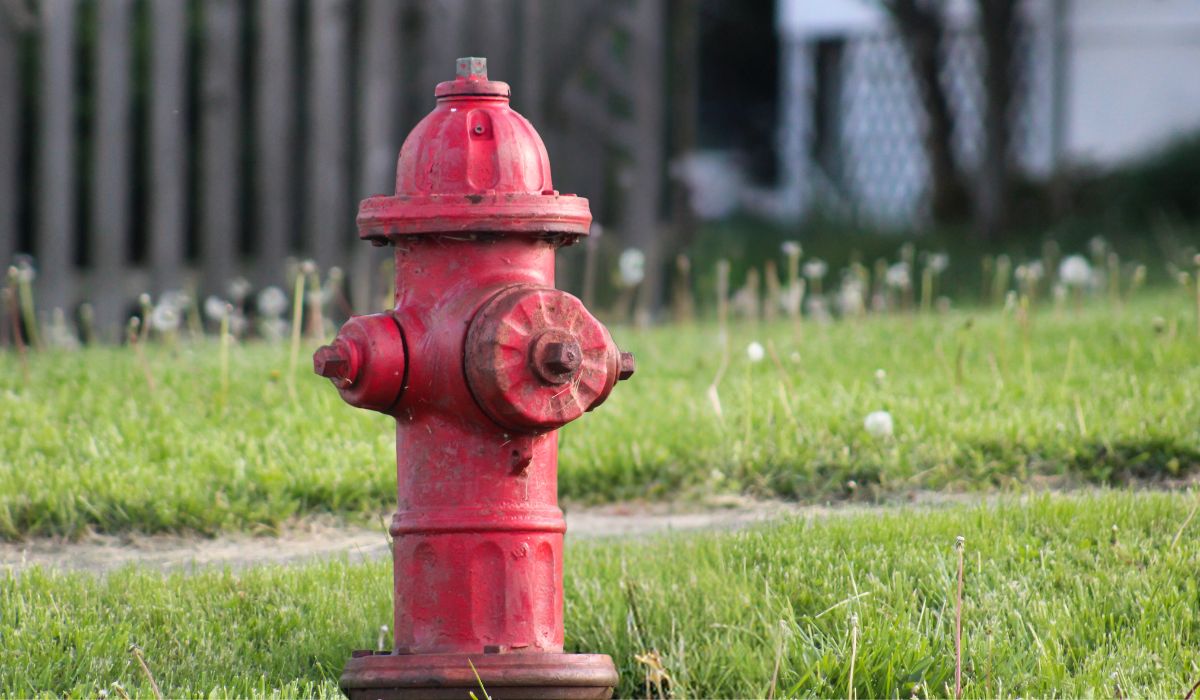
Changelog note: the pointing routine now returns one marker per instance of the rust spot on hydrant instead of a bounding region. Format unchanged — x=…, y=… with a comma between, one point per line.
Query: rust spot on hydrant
x=480, y=361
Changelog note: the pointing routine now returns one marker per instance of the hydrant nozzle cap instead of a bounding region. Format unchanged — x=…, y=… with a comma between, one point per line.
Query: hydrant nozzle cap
x=472, y=80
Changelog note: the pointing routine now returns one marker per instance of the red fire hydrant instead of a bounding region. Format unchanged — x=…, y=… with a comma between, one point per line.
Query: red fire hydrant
x=480, y=362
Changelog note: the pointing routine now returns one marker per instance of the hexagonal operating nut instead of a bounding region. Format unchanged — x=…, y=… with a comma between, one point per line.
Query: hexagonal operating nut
x=330, y=362
x=471, y=67
x=627, y=366
x=562, y=357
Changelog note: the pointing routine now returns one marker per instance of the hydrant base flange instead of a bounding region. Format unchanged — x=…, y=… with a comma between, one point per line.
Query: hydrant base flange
x=386, y=676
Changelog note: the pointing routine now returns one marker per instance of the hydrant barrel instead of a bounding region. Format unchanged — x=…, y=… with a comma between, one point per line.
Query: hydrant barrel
x=480, y=361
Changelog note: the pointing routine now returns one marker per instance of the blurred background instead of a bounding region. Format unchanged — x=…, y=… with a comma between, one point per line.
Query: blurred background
x=205, y=147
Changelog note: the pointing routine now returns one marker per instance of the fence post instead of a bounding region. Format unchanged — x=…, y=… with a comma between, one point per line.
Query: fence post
x=10, y=116
x=168, y=205
x=328, y=167
x=379, y=97
x=220, y=141
x=54, y=244
x=275, y=124
x=110, y=170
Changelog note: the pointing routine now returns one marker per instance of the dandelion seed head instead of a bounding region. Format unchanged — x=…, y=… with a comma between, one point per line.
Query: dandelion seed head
x=937, y=262
x=272, y=302
x=631, y=266
x=815, y=269
x=165, y=318
x=176, y=299
x=1075, y=271
x=897, y=276
x=215, y=308
x=879, y=424
x=755, y=351
x=791, y=249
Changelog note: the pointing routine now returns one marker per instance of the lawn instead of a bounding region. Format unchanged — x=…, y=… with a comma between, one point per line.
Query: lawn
x=1084, y=595
x=981, y=400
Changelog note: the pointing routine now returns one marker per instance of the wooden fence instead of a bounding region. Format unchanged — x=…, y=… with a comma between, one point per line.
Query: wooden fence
x=149, y=145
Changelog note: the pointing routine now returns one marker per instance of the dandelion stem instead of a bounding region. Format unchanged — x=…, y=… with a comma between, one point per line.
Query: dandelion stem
x=134, y=325
x=29, y=312
x=297, y=318
x=147, y=311
x=9, y=299
x=926, y=289
x=137, y=654
x=1198, y=303
x=853, y=655
x=1186, y=521
x=778, y=662
x=723, y=302
x=1070, y=361
x=960, y=545
x=480, y=681
x=225, y=338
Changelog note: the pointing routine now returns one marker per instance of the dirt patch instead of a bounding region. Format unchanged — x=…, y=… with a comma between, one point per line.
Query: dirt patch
x=325, y=538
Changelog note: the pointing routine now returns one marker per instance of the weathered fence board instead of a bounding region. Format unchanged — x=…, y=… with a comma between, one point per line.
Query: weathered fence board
x=379, y=108
x=275, y=128
x=10, y=87
x=223, y=137
x=329, y=229
x=220, y=142
x=168, y=205
x=110, y=168
x=55, y=212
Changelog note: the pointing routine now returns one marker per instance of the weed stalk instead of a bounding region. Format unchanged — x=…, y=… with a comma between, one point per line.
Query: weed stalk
x=141, y=659
x=297, y=319
x=224, y=352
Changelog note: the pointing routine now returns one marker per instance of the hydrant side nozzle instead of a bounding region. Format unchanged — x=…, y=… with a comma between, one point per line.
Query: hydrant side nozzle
x=627, y=366
x=367, y=362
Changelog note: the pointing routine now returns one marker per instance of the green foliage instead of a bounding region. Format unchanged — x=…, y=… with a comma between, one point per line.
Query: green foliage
x=1074, y=596
x=1099, y=395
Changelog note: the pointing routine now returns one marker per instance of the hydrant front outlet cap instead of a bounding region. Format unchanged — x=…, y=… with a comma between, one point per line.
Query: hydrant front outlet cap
x=537, y=360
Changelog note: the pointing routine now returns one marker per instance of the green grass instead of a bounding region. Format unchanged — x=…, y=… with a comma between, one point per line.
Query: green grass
x=1101, y=395
x=1064, y=595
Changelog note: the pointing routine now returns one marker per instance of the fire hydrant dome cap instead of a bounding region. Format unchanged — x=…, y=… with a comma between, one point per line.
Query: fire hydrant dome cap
x=473, y=164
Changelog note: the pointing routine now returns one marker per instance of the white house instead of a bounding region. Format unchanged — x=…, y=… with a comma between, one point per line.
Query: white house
x=1103, y=81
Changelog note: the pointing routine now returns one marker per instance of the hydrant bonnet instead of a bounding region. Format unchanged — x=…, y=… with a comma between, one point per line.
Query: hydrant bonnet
x=473, y=165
